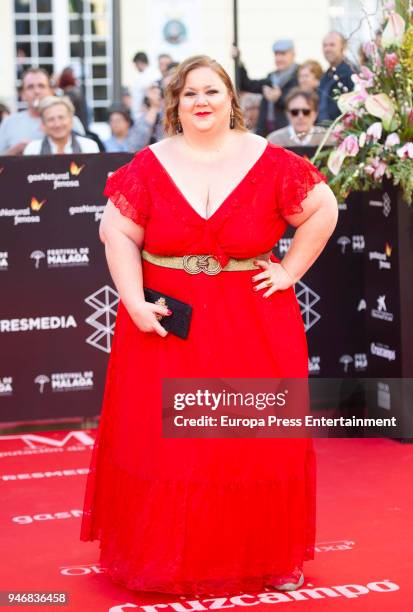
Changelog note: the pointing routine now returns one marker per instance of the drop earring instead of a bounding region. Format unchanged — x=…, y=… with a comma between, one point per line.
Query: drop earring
x=178, y=126
x=232, y=120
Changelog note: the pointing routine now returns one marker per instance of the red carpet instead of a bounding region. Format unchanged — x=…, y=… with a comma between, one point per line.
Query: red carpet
x=365, y=528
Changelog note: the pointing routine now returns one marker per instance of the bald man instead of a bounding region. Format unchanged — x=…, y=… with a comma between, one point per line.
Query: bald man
x=337, y=77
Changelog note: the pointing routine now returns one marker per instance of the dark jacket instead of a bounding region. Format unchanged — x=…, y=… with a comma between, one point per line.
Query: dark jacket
x=255, y=86
x=76, y=96
x=338, y=78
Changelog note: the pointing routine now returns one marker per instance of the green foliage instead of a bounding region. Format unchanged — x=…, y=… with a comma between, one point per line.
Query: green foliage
x=402, y=174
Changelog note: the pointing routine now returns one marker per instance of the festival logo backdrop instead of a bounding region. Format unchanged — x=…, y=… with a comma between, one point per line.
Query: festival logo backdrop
x=388, y=263
x=58, y=306
x=331, y=296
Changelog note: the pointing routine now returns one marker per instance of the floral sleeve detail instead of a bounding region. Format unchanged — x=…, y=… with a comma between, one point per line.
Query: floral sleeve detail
x=297, y=177
x=127, y=189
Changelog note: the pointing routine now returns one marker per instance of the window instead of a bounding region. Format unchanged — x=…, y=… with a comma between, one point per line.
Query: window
x=53, y=34
x=33, y=35
x=94, y=22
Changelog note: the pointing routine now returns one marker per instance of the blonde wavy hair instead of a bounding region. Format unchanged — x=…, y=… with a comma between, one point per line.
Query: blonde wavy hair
x=176, y=85
x=50, y=101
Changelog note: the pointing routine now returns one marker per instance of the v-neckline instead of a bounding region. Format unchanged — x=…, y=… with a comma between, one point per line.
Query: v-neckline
x=224, y=201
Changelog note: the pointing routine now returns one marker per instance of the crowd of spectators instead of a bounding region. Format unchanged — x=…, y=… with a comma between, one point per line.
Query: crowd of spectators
x=291, y=106
x=297, y=102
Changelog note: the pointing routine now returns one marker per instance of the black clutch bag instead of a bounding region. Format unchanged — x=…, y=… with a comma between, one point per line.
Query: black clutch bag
x=178, y=322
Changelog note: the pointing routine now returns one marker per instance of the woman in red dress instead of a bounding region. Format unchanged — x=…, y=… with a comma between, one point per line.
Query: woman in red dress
x=205, y=515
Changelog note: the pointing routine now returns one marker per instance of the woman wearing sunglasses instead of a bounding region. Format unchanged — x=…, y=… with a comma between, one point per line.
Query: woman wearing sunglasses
x=302, y=109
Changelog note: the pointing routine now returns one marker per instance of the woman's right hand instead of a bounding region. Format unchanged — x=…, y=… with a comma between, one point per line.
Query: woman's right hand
x=144, y=317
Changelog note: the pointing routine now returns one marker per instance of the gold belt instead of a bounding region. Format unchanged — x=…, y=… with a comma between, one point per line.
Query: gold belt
x=209, y=264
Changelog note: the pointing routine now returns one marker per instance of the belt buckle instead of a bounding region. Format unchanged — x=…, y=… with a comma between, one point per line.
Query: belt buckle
x=194, y=264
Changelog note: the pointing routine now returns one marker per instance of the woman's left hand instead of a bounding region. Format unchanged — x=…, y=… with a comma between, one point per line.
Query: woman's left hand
x=273, y=277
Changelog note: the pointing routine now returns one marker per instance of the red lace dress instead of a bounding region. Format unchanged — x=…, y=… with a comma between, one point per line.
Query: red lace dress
x=203, y=516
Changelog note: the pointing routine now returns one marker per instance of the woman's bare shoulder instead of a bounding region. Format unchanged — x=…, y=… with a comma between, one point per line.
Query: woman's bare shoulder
x=164, y=146
x=253, y=141
x=253, y=138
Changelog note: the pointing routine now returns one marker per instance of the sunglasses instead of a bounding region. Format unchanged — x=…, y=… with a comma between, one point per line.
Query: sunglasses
x=296, y=111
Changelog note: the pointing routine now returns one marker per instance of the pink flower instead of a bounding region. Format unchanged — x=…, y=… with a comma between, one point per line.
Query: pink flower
x=406, y=151
x=335, y=161
x=370, y=51
x=392, y=140
x=363, y=80
x=362, y=139
x=349, y=102
x=391, y=60
x=369, y=47
x=374, y=132
x=380, y=106
x=376, y=168
x=348, y=120
x=393, y=33
x=389, y=5
x=367, y=74
x=337, y=131
x=380, y=170
x=410, y=117
x=350, y=146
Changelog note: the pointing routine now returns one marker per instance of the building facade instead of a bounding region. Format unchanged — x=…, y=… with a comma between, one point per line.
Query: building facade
x=57, y=33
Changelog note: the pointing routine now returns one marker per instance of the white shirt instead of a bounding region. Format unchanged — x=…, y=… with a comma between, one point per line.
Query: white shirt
x=22, y=126
x=86, y=146
x=301, y=141
x=142, y=81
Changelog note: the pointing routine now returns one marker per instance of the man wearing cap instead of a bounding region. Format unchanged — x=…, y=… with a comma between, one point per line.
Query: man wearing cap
x=274, y=87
